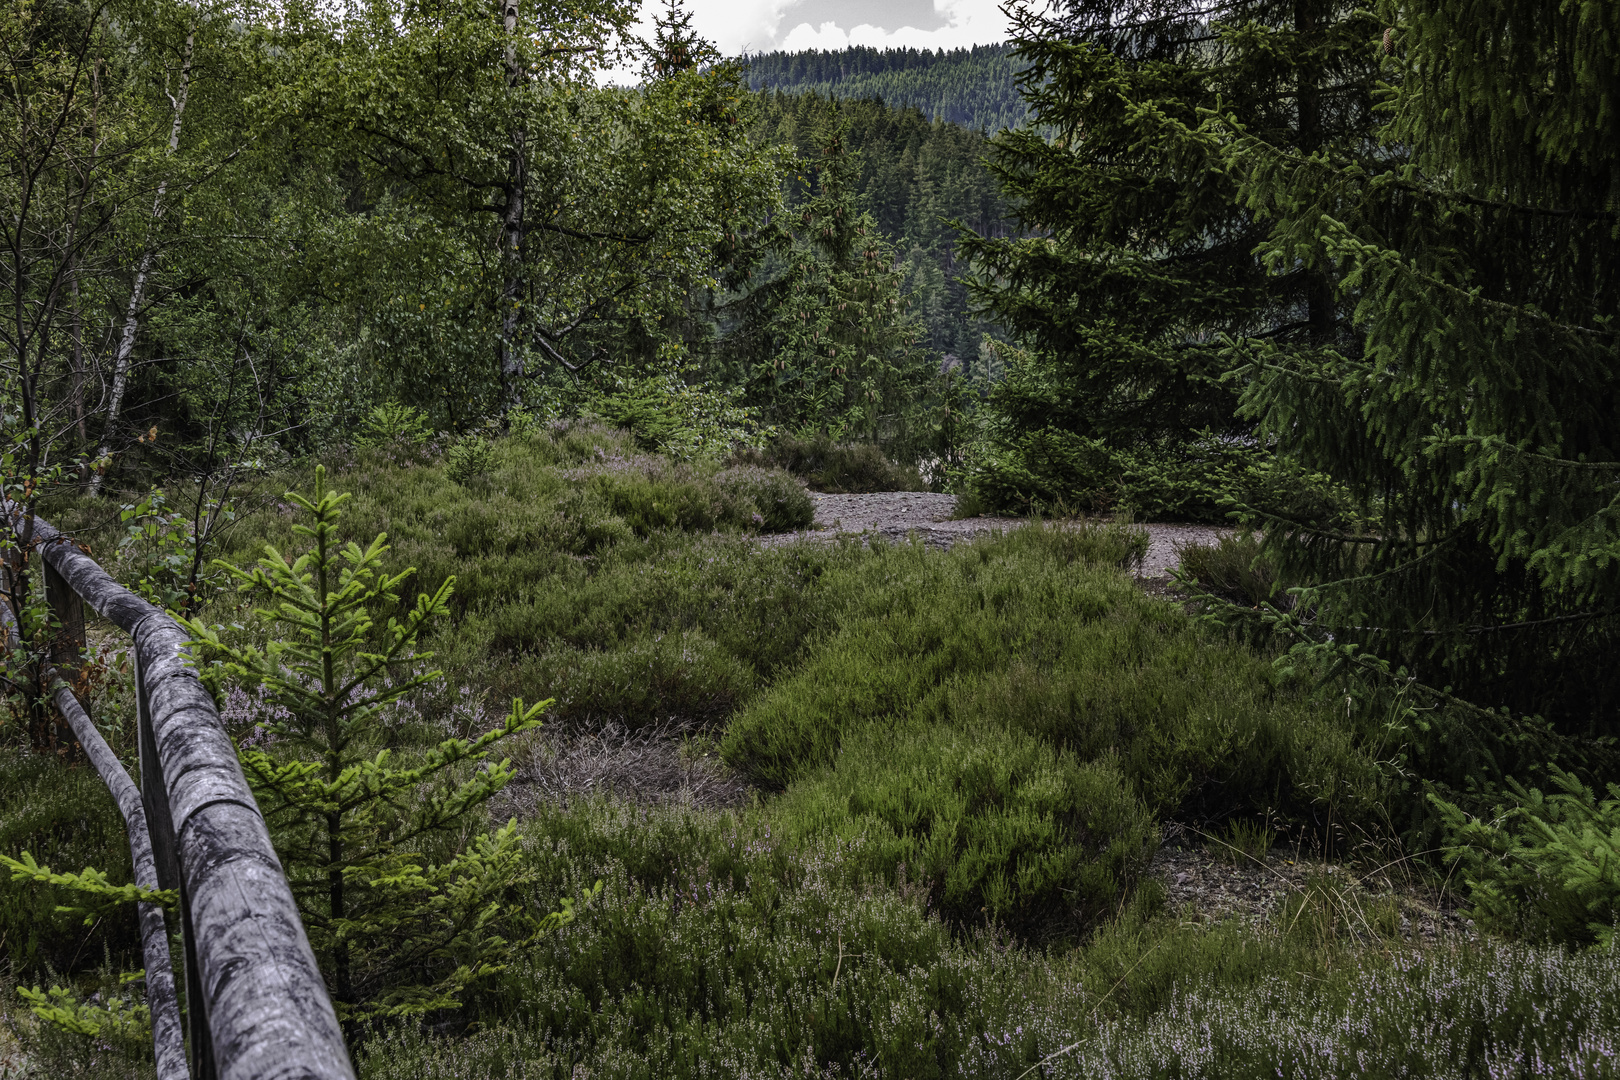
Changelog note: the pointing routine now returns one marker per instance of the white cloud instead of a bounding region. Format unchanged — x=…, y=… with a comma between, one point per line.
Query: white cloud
x=967, y=22
x=738, y=26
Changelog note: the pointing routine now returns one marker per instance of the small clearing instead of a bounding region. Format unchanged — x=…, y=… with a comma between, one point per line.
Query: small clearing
x=896, y=515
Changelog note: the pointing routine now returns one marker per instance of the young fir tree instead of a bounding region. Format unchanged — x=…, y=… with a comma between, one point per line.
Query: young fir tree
x=1137, y=260
x=842, y=346
x=397, y=930
x=1476, y=411
x=675, y=48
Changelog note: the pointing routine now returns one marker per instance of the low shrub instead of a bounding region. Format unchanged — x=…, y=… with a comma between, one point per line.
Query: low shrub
x=1234, y=569
x=996, y=824
x=652, y=493
x=835, y=467
x=1011, y=632
x=780, y=500
x=683, y=677
x=1053, y=471
x=1027, y=634
x=718, y=949
x=1545, y=866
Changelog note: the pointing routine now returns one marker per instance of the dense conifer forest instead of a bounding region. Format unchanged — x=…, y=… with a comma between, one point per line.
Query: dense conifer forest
x=922, y=182
x=471, y=418
x=976, y=88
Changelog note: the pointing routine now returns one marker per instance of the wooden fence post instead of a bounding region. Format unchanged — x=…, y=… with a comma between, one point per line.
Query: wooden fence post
x=67, y=641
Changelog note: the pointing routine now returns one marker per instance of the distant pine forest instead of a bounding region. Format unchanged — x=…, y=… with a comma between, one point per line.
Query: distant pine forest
x=917, y=178
x=976, y=88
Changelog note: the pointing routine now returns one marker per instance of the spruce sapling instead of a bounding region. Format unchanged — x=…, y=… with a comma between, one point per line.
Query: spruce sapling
x=396, y=931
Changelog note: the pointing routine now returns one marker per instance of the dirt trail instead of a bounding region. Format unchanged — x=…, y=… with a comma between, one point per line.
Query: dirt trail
x=895, y=515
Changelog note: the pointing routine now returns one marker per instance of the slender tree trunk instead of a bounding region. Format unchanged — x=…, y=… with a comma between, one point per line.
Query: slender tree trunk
x=76, y=360
x=1321, y=312
x=143, y=269
x=334, y=883
x=511, y=356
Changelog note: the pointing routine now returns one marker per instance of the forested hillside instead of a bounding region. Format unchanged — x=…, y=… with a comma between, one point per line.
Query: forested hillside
x=922, y=181
x=484, y=433
x=975, y=87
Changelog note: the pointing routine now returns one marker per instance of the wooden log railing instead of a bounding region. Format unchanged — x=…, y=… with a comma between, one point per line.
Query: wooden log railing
x=257, y=1007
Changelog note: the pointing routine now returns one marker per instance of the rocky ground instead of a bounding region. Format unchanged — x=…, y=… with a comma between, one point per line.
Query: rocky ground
x=897, y=515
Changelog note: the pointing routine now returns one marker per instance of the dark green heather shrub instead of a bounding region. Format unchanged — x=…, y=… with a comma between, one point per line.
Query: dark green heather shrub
x=1033, y=658
x=717, y=949
x=995, y=824
x=1233, y=569
x=1025, y=633
x=836, y=467
x=65, y=818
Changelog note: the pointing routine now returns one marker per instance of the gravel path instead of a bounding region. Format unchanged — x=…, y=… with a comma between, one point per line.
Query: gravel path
x=895, y=515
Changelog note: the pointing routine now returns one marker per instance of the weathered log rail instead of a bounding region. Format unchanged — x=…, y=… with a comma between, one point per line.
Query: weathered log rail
x=258, y=1008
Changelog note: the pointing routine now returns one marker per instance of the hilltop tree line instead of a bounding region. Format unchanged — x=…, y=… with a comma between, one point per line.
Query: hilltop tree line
x=975, y=87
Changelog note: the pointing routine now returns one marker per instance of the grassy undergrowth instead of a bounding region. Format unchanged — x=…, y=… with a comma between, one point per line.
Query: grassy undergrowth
x=964, y=760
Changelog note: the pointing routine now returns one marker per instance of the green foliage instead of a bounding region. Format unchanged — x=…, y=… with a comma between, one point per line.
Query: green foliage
x=1470, y=407
x=832, y=466
x=1234, y=568
x=1199, y=477
x=396, y=931
x=89, y=882
x=841, y=349
x=672, y=417
x=119, y=1021
x=976, y=88
x=717, y=945
x=556, y=593
x=469, y=459
x=65, y=817
x=780, y=501
x=652, y=493
x=1246, y=841
x=996, y=824
x=159, y=554
x=392, y=422
x=1072, y=681
x=915, y=178
x=1142, y=265
x=1544, y=867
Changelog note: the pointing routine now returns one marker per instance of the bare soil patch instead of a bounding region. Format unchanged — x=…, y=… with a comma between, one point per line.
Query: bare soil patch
x=1205, y=881
x=667, y=765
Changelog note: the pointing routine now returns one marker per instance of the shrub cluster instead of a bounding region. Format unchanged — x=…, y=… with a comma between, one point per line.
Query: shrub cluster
x=835, y=467
x=1011, y=720
x=719, y=949
x=991, y=735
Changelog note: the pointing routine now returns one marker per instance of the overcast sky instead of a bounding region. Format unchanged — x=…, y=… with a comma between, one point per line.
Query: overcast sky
x=764, y=25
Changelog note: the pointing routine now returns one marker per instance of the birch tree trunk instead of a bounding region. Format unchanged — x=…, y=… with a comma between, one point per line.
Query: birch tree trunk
x=76, y=359
x=143, y=270
x=511, y=240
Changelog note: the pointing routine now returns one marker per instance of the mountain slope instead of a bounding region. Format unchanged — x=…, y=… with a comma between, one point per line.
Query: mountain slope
x=975, y=88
